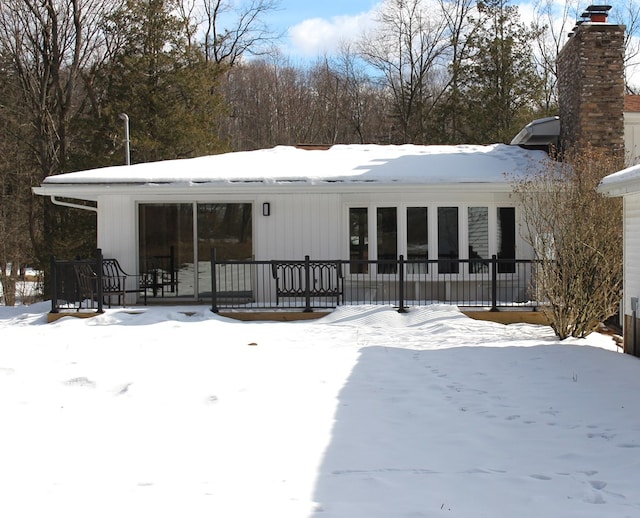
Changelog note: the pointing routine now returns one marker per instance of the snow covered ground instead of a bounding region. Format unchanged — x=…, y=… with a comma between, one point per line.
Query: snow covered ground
x=365, y=413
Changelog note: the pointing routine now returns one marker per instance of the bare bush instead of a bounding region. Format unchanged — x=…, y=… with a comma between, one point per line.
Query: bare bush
x=576, y=233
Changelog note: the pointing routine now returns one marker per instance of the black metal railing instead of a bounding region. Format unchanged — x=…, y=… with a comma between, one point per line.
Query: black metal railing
x=76, y=285
x=307, y=285
x=88, y=284
x=315, y=284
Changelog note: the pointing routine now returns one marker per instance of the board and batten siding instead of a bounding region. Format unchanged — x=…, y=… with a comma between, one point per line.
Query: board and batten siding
x=300, y=224
x=631, y=249
x=632, y=138
x=118, y=230
x=631, y=287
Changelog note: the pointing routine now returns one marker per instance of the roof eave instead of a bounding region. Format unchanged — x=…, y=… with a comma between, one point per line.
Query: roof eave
x=620, y=188
x=91, y=192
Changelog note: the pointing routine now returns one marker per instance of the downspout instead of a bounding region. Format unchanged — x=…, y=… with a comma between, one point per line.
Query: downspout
x=55, y=201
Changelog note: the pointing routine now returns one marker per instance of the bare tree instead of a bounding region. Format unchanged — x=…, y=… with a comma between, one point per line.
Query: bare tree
x=408, y=48
x=15, y=247
x=362, y=104
x=49, y=46
x=553, y=22
x=460, y=28
x=246, y=33
x=576, y=234
x=628, y=14
x=51, y=43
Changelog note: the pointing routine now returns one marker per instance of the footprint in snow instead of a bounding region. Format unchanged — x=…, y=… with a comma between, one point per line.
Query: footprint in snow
x=595, y=499
x=81, y=382
x=540, y=477
x=597, y=484
x=607, y=436
x=123, y=389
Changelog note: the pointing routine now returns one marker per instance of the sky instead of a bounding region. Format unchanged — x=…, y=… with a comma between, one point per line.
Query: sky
x=365, y=413
x=315, y=27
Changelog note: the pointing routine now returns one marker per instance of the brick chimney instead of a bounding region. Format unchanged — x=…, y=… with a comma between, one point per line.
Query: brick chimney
x=591, y=85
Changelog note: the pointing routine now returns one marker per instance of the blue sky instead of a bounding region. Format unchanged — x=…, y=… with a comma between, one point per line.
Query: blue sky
x=295, y=11
x=314, y=27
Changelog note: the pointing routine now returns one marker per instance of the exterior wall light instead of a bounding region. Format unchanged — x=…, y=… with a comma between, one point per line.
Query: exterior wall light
x=266, y=209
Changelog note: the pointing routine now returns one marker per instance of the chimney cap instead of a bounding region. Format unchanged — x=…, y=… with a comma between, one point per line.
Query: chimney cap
x=596, y=13
x=598, y=8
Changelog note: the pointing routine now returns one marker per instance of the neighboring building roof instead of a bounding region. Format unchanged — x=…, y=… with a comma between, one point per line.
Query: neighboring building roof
x=352, y=164
x=632, y=103
x=539, y=132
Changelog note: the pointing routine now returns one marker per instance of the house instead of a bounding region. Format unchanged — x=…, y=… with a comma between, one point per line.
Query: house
x=632, y=129
x=626, y=184
x=349, y=201
x=346, y=201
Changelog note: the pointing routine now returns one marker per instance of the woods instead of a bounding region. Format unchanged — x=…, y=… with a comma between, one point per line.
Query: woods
x=200, y=77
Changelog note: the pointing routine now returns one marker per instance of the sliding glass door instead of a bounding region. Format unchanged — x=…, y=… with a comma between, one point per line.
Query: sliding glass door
x=176, y=239
x=227, y=228
x=166, y=252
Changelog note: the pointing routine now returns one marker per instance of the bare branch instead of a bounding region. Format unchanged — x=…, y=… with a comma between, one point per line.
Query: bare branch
x=246, y=34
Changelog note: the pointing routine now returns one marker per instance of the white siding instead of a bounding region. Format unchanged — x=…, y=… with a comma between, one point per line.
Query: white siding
x=632, y=138
x=117, y=230
x=302, y=223
x=631, y=250
x=299, y=225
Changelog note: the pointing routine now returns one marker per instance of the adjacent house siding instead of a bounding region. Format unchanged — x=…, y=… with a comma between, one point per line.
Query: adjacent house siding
x=632, y=138
x=632, y=268
x=631, y=247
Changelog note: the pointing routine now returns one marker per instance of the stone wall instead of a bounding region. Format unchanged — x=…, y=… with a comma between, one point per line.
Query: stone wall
x=591, y=87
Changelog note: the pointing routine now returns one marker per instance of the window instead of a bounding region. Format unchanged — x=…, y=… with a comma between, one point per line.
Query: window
x=448, y=242
x=387, y=233
x=166, y=238
x=506, y=235
x=482, y=231
x=417, y=240
x=359, y=239
x=478, y=236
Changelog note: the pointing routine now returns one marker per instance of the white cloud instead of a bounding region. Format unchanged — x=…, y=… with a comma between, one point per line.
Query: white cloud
x=318, y=36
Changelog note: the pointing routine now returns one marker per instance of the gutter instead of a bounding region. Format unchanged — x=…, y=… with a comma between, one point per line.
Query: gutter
x=56, y=201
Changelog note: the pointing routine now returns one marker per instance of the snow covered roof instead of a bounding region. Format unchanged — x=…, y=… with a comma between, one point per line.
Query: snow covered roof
x=408, y=164
x=626, y=181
